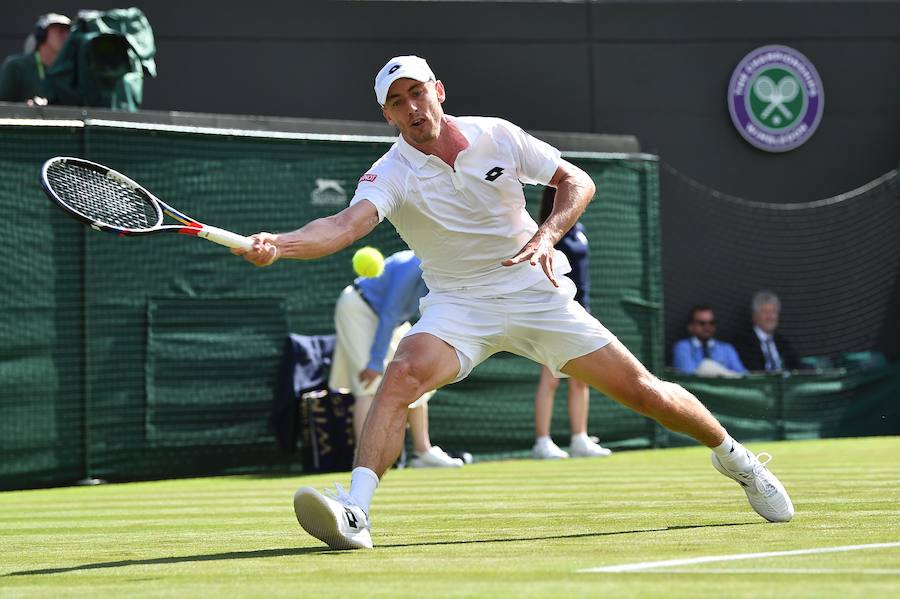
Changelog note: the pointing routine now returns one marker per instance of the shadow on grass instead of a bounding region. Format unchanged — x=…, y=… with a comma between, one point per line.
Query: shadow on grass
x=262, y=553
x=580, y=535
x=288, y=551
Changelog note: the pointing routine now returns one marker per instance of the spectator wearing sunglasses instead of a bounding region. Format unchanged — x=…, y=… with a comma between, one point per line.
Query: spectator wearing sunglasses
x=701, y=353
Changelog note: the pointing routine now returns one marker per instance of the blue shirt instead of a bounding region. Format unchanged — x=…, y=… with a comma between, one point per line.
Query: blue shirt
x=574, y=245
x=394, y=296
x=688, y=353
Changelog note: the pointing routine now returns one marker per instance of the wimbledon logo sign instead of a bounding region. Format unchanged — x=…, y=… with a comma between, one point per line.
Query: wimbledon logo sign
x=776, y=98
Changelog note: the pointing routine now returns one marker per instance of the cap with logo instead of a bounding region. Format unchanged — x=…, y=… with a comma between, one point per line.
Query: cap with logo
x=399, y=67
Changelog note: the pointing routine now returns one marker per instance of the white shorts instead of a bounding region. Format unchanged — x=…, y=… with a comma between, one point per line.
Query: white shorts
x=543, y=323
x=355, y=323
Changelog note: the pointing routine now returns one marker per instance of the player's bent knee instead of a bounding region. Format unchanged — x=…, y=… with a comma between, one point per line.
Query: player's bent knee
x=402, y=379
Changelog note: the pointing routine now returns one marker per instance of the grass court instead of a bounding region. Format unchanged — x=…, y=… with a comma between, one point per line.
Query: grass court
x=502, y=529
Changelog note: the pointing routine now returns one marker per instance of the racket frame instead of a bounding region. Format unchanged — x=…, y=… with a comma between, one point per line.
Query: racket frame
x=188, y=225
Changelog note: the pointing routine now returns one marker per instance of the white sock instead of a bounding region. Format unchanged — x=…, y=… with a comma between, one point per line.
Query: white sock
x=543, y=440
x=363, y=483
x=733, y=455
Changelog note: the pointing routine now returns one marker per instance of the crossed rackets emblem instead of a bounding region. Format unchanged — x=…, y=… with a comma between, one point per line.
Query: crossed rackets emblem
x=776, y=95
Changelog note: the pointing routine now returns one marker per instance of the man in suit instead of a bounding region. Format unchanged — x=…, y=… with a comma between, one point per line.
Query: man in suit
x=762, y=348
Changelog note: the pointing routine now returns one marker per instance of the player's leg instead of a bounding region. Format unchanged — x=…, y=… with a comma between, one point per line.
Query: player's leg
x=544, y=447
x=361, y=406
x=614, y=371
x=422, y=362
x=581, y=445
x=334, y=518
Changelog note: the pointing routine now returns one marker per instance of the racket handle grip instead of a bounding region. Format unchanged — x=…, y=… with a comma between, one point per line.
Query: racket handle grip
x=226, y=238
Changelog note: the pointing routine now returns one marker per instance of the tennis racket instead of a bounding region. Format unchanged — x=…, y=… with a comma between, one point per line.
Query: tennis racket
x=107, y=200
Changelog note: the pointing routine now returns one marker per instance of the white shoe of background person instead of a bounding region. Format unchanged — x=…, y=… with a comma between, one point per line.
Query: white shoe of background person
x=336, y=520
x=434, y=458
x=545, y=449
x=764, y=491
x=583, y=446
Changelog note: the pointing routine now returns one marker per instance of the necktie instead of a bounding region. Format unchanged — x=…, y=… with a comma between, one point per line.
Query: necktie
x=705, y=346
x=772, y=362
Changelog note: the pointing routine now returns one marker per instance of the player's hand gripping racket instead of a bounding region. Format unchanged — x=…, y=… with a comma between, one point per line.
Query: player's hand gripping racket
x=109, y=201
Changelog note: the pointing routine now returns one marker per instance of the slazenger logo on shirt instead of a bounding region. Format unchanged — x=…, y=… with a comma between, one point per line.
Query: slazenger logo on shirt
x=368, y=177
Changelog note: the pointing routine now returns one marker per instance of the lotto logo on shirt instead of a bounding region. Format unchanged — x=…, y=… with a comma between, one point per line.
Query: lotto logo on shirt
x=368, y=177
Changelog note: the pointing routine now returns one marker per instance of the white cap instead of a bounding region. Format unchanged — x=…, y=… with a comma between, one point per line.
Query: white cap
x=52, y=18
x=410, y=67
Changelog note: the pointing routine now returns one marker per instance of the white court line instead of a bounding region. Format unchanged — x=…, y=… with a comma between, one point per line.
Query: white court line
x=637, y=567
x=879, y=571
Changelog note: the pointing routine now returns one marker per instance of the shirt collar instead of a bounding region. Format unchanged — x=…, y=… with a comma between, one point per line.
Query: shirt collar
x=761, y=334
x=696, y=342
x=418, y=159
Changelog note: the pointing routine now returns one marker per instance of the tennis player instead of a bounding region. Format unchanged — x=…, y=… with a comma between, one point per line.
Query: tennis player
x=452, y=187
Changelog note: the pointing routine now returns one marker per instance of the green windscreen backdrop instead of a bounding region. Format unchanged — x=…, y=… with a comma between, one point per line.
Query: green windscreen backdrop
x=144, y=357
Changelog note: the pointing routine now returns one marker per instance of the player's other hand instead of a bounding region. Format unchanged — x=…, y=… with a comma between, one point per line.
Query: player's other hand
x=538, y=251
x=264, y=251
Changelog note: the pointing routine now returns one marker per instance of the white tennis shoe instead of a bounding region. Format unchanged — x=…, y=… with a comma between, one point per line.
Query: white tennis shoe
x=334, y=519
x=587, y=448
x=765, y=493
x=546, y=449
x=435, y=458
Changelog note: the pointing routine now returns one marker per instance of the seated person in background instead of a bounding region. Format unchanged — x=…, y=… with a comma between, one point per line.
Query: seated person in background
x=761, y=347
x=22, y=75
x=703, y=355
x=370, y=318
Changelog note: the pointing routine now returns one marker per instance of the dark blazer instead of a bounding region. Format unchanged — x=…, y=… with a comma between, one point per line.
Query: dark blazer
x=748, y=347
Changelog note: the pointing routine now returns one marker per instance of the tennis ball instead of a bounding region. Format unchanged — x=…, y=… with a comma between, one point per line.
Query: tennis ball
x=368, y=262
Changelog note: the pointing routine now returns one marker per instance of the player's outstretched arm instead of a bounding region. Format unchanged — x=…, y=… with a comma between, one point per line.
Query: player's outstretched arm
x=574, y=189
x=321, y=237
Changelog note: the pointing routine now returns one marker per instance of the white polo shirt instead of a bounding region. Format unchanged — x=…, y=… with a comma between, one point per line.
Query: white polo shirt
x=463, y=221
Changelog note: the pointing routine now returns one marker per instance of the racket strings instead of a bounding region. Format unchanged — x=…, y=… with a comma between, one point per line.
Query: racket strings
x=102, y=199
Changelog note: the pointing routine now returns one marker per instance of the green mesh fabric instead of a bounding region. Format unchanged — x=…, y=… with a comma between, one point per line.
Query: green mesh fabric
x=41, y=318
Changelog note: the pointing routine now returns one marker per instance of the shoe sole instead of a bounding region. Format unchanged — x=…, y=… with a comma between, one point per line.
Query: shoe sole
x=779, y=518
x=536, y=456
x=315, y=517
x=421, y=465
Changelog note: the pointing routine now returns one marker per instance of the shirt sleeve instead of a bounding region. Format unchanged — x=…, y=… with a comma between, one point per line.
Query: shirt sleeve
x=682, y=357
x=537, y=160
x=381, y=187
x=401, y=290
